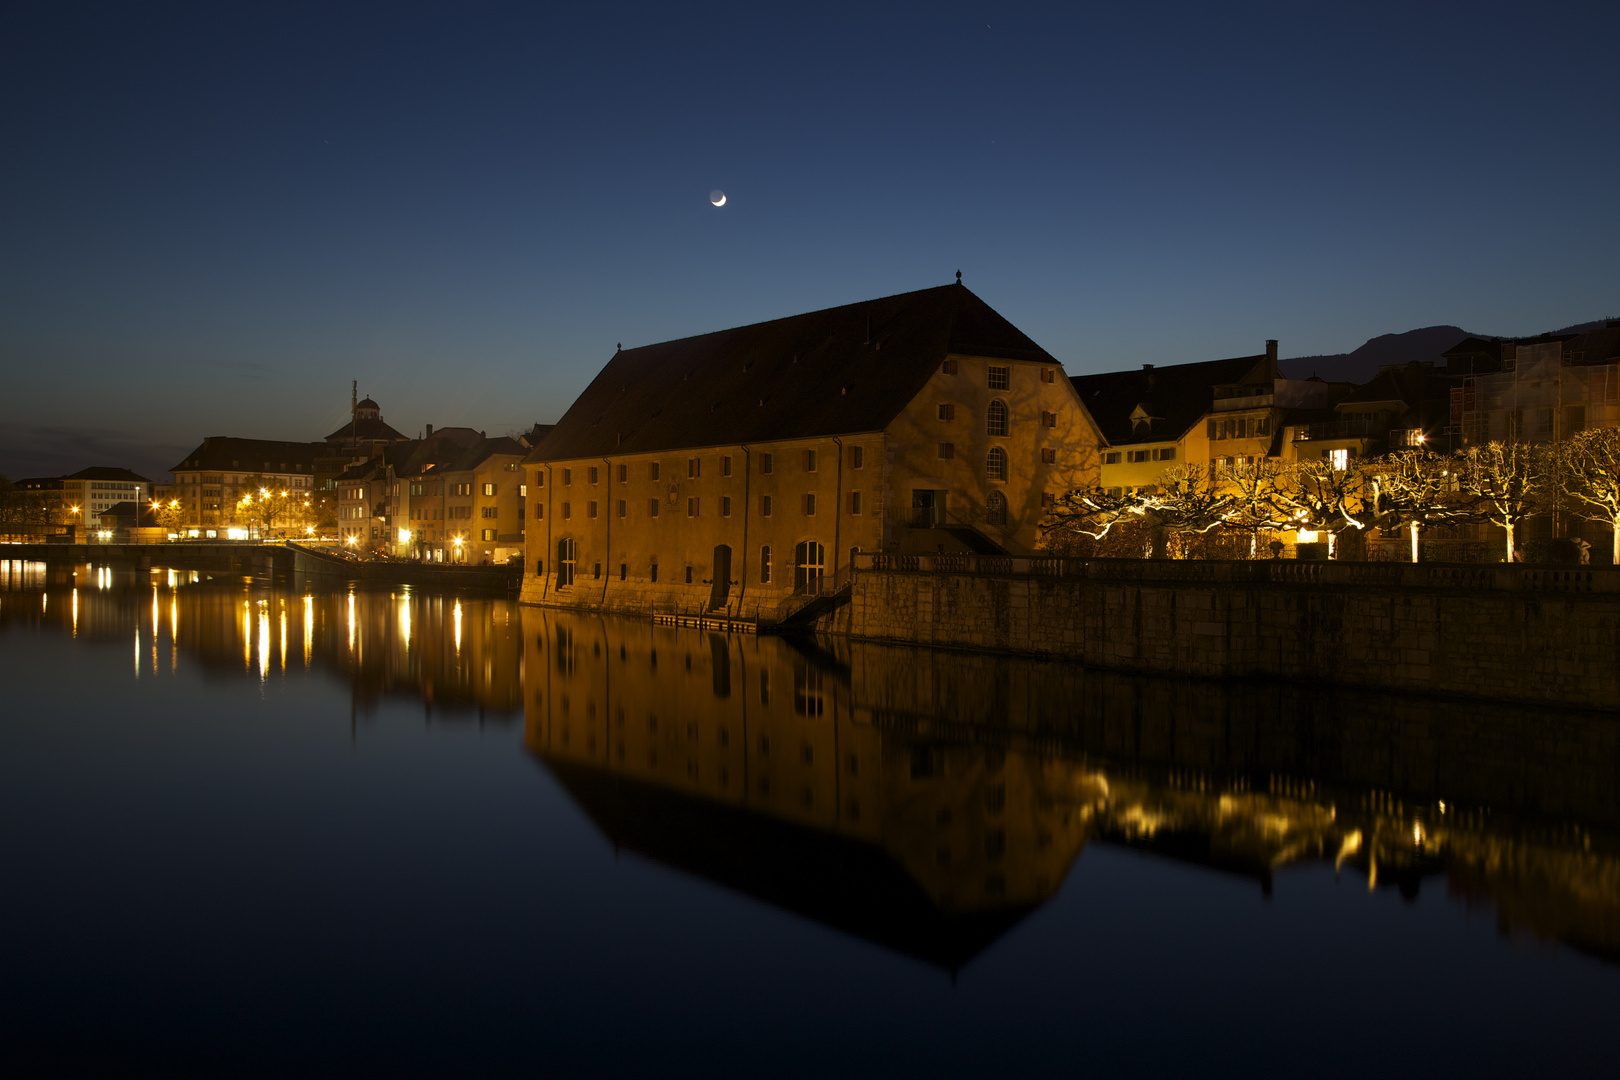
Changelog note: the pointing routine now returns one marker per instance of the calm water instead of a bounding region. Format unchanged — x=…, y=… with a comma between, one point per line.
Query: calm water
x=250, y=828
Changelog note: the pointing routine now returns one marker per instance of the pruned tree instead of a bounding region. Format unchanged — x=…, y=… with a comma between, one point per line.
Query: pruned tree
x=1188, y=499
x=1259, y=498
x=1330, y=499
x=1091, y=513
x=1507, y=483
x=1589, y=476
x=1413, y=489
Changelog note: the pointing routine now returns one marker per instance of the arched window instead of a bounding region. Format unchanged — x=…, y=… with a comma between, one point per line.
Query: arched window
x=809, y=560
x=995, y=463
x=997, y=417
x=995, y=508
x=566, y=550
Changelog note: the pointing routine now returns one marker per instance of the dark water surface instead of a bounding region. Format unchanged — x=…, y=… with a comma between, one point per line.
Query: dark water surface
x=252, y=829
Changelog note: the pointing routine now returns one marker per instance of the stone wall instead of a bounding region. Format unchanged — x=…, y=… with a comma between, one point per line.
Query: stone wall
x=1520, y=633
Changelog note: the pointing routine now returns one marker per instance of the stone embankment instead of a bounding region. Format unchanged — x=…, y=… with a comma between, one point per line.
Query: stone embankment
x=1543, y=635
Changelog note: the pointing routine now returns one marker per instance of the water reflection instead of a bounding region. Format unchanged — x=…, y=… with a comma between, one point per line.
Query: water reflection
x=927, y=801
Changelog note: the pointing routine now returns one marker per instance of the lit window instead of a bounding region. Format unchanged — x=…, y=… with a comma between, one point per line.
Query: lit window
x=1340, y=459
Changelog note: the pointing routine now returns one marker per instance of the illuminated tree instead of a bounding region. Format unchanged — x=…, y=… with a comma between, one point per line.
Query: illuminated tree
x=1413, y=489
x=1589, y=476
x=1507, y=483
x=266, y=504
x=1329, y=499
x=1259, y=498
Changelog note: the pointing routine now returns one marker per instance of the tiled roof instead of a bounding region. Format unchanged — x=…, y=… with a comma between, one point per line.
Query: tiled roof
x=102, y=472
x=365, y=430
x=838, y=371
x=1176, y=396
x=252, y=455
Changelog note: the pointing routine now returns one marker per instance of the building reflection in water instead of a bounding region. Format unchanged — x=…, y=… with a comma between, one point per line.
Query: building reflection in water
x=928, y=800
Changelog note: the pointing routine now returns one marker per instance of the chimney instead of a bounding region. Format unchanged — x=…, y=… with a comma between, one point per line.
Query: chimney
x=430, y=431
x=1147, y=367
x=1271, y=349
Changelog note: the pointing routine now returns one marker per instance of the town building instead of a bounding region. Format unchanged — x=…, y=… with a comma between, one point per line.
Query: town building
x=89, y=492
x=212, y=480
x=735, y=472
x=1216, y=413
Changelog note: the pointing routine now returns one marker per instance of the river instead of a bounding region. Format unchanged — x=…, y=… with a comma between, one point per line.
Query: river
x=256, y=828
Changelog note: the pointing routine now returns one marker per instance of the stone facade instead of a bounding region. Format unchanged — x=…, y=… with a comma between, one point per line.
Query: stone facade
x=1511, y=633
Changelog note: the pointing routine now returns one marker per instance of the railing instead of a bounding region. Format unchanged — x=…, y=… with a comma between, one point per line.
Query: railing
x=1357, y=426
x=1494, y=577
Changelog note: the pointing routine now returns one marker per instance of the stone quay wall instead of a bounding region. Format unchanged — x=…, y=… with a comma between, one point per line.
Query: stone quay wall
x=1542, y=635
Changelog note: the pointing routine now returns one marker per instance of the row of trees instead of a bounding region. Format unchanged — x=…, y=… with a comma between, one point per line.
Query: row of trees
x=1502, y=484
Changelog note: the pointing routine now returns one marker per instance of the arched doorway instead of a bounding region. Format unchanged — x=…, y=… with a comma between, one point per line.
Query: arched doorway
x=720, y=590
x=809, y=560
x=995, y=508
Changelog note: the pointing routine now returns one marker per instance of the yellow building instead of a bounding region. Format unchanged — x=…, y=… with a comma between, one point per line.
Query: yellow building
x=1219, y=414
x=734, y=472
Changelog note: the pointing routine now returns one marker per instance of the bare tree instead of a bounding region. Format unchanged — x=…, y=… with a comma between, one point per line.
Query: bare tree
x=1329, y=499
x=1092, y=513
x=1259, y=498
x=1590, y=478
x=1507, y=483
x=1413, y=489
x=1188, y=499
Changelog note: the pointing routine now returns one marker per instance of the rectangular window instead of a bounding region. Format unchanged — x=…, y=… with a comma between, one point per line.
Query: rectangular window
x=857, y=457
x=764, y=506
x=725, y=465
x=947, y=450
x=691, y=506
x=624, y=473
x=765, y=464
x=652, y=507
x=539, y=511
x=1048, y=419
x=568, y=476
x=1048, y=375
x=590, y=508
x=1048, y=455
x=489, y=511
x=809, y=461
x=489, y=489
x=652, y=470
x=652, y=571
x=1138, y=455
x=523, y=490
x=854, y=502
x=725, y=506
x=948, y=367
x=1167, y=453
x=488, y=534
x=947, y=412
x=1340, y=459
x=596, y=570
x=624, y=571
x=539, y=481
x=809, y=505
x=1111, y=458
x=1000, y=378
x=591, y=474
x=621, y=508
x=693, y=467
x=568, y=511
x=689, y=575
x=765, y=565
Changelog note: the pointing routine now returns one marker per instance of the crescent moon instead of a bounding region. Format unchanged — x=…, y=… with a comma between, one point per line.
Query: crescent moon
x=717, y=197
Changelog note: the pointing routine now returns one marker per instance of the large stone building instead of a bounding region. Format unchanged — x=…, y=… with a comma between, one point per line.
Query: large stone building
x=734, y=472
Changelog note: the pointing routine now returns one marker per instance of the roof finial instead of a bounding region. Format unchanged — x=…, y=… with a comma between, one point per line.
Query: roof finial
x=959, y=277
x=620, y=347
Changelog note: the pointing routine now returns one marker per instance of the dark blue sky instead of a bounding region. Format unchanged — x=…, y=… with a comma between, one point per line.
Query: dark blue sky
x=212, y=218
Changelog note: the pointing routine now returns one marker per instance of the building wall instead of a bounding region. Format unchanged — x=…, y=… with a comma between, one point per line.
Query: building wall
x=1507, y=633
x=616, y=551
x=915, y=461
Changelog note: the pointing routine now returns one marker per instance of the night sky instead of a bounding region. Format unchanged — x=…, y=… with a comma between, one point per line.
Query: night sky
x=213, y=218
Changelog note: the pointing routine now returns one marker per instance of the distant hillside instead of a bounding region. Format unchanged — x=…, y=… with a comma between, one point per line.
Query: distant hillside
x=1426, y=343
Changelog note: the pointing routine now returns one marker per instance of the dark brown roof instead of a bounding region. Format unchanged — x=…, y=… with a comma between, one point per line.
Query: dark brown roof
x=365, y=430
x=842, y=370
x=1177, y=396
x=103, y=472
x=252, y=455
